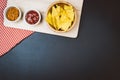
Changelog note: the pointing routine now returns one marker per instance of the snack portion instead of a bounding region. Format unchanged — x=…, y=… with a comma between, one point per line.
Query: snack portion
x=61, y=16
x=12, y=13
x=32, y=17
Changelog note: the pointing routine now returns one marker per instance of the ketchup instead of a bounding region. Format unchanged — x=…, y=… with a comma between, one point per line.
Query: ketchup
x=32, y=17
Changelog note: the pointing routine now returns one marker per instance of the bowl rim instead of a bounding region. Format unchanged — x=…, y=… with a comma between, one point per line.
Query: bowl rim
x=39, y=13
x=8, y=7
x=75, y=20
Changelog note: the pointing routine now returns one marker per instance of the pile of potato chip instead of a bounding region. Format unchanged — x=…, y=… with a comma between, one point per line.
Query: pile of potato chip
x=61, y=17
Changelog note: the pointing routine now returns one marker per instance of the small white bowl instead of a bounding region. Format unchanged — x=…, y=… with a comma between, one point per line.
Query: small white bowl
x=38, y=14
x=5, y=12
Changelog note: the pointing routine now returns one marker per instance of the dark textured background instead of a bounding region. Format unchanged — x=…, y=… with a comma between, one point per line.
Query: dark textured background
x=94, y=55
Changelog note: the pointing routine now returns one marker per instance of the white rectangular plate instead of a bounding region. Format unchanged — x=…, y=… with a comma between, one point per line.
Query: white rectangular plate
x=42, y=6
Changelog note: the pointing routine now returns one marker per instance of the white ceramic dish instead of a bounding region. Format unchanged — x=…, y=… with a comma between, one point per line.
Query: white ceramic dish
x=37, y=21
x=5, y=12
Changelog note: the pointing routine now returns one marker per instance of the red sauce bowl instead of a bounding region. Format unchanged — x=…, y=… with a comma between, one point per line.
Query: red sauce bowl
x=32, y=17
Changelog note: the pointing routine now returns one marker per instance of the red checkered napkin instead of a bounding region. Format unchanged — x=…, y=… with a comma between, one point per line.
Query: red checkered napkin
x=9, y=37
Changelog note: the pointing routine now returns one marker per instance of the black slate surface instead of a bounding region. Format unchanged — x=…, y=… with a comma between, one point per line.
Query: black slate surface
x=94, y=55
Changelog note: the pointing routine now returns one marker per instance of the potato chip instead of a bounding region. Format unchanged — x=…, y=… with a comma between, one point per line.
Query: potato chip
x=49, y=18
